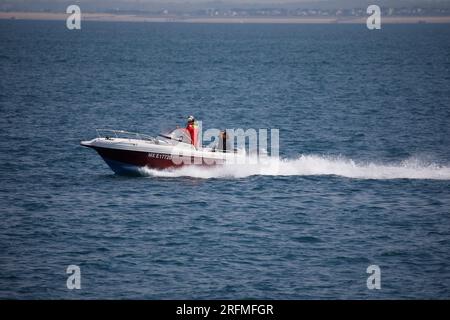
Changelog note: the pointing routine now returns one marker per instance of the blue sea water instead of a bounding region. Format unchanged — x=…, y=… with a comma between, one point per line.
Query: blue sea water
x=364, y=177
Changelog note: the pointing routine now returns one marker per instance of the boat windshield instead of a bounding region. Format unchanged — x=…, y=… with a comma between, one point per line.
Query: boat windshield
x=178, y=135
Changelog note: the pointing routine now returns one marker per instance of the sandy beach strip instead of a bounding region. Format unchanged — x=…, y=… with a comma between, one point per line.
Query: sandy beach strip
x=275, y=20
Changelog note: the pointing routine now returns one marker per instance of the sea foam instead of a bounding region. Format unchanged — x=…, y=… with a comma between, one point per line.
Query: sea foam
x=312, y=165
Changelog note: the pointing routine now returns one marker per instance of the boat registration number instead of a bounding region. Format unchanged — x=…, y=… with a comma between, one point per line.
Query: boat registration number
x=160, y=156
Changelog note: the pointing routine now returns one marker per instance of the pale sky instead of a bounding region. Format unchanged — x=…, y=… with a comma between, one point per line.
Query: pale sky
x=183, y=4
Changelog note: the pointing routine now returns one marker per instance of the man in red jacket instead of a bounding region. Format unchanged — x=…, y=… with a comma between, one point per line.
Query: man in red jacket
x=192, y=128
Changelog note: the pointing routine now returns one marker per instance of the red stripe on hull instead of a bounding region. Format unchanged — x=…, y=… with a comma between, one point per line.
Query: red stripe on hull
x=145, y=159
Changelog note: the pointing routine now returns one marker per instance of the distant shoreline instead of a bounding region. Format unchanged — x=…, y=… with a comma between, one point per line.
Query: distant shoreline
x=234, y=20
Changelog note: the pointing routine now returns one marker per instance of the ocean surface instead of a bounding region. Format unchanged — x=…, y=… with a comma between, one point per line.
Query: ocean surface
x=363, y=179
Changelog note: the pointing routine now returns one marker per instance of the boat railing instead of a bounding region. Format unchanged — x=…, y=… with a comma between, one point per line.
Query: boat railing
x=111, y=133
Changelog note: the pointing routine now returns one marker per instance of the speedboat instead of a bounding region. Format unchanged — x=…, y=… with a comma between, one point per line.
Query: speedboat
x=128, y=153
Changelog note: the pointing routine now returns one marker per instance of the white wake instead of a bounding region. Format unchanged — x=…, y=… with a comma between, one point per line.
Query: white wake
x=311, y=165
